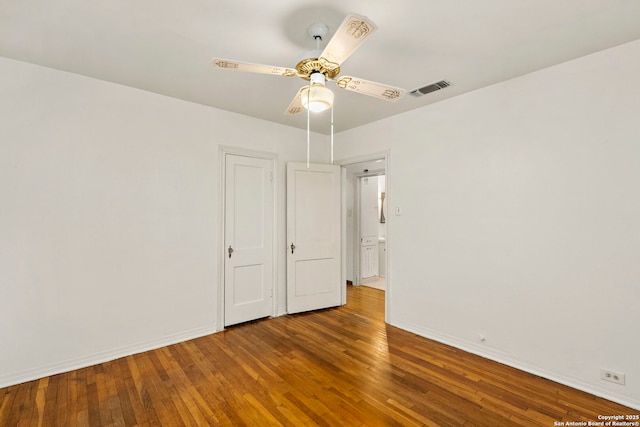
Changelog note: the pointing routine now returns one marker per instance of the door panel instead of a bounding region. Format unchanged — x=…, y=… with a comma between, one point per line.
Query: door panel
x=313, y=227
x=248, y=275
x=248, y=284
x=314, y=277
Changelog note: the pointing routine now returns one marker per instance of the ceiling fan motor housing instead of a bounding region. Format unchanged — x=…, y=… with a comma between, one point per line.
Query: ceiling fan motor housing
x=309, y=66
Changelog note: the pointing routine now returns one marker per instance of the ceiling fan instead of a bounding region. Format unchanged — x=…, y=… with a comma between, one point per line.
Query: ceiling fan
x=319, y=66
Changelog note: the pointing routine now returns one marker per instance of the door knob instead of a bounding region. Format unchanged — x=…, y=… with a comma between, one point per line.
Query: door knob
x=292, y=247
x=230, y=250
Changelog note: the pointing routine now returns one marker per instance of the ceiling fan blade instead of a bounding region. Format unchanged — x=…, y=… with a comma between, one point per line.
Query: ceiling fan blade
x=296, y=106
x=229, y=64
x=353, y=31
x=366, y=87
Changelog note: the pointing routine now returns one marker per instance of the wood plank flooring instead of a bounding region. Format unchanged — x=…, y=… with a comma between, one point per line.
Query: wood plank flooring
x=341, y=366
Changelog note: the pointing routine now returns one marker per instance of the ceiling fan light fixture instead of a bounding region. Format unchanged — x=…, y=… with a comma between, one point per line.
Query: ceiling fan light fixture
x=317, y=97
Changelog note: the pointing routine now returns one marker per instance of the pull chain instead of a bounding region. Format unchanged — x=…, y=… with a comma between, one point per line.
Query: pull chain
x=308, y=127
x=331, y=134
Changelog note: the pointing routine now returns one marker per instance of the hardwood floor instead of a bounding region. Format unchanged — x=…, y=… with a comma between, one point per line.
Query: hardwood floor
x=334, y=367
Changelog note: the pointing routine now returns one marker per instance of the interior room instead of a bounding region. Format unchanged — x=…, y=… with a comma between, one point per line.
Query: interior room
x=505, y=218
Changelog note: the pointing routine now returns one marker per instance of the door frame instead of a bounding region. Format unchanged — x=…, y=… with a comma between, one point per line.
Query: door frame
x=223, y=151
x=386, y=157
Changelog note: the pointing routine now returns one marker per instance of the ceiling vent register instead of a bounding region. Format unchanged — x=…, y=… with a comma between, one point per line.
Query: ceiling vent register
x=430, y=88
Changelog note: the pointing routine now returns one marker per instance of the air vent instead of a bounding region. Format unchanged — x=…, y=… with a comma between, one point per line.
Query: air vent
x=430, y=88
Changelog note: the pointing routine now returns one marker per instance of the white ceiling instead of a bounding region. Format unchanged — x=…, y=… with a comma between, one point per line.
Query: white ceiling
x=166, y=46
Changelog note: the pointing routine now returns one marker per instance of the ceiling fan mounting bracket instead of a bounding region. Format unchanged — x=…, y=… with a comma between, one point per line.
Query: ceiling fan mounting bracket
x=318, y=31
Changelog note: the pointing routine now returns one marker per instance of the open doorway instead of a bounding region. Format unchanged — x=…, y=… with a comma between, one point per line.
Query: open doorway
x=371, y=194
x=365, y=236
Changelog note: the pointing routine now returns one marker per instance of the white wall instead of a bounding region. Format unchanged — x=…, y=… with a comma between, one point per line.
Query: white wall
x=521, y=220
x=109, y=217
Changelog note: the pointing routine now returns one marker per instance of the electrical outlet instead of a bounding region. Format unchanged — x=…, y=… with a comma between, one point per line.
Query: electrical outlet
x=611, y=376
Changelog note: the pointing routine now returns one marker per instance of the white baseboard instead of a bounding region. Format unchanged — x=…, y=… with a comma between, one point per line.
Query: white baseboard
x=103, y=356
x=508, y=360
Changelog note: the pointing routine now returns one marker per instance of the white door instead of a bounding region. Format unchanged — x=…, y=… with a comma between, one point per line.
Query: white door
x=248, y=235
x=313, y=237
